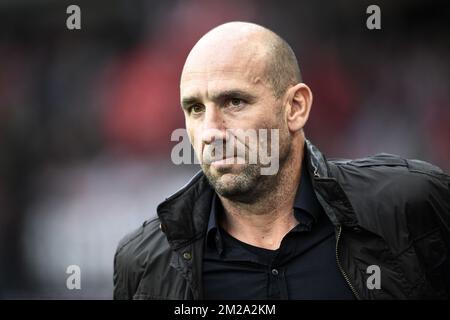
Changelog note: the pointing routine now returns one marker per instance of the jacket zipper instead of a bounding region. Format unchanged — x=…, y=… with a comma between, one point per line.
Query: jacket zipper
x=340, y=266
x=316, y=175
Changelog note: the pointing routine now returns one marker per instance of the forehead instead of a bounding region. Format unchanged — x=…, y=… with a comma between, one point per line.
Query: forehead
x=212, y=83
x=208, y=71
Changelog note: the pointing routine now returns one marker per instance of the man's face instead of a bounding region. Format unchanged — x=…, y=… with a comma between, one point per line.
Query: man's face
x=226, y=89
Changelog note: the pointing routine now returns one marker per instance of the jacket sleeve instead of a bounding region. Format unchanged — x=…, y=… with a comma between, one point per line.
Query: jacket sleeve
x=435, y=255
x=433, y=248
x=120, y=275
x=443, y=215
x=446, y=232
x=444, y=218
x=124, y=278
x=120, y=289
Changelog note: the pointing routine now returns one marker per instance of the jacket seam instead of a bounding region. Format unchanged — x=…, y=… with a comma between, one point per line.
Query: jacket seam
x=422, y=236
x=431, y=174
x=141, y=231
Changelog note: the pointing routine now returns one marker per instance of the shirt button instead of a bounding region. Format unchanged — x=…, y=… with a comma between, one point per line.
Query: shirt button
x=275, y=272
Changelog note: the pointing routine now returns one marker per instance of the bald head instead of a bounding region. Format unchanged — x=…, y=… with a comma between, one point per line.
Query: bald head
x=258, y=49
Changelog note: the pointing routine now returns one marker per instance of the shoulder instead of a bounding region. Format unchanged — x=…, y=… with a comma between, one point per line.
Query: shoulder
x=390, y=193
x=147, y=232
x=135, y=252
x=389, y=175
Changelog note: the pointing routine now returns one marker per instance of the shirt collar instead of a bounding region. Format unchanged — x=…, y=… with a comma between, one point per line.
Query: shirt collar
x=305, y=197
x=213, y=231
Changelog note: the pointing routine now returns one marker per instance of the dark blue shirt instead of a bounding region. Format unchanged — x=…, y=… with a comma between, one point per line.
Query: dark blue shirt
x=304, y=267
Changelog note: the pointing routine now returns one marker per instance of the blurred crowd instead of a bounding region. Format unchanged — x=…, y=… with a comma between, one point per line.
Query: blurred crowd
x=86, y=115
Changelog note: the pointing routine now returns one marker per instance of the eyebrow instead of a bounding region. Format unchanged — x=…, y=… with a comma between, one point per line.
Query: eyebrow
x=219, y=97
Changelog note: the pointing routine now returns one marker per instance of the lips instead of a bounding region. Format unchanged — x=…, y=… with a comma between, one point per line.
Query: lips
x=224, y=161
x=216, y=153
x=221, y=162
x=228, y=161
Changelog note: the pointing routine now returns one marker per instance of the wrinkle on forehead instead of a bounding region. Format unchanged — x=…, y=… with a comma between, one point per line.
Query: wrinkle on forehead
x=202, y=83
x=223, y=74
x=211, y=87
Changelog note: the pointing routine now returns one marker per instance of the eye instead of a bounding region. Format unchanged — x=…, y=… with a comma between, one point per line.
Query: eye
x=196, y=109
x=236, y=102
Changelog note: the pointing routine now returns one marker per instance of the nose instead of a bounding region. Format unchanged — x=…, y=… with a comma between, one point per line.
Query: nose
x=213, y=125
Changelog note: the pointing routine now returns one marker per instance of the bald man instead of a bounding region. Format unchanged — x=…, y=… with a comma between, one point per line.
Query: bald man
x=372, y=228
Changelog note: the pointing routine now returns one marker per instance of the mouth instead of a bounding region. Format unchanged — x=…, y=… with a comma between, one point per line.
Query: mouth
x=228, y=161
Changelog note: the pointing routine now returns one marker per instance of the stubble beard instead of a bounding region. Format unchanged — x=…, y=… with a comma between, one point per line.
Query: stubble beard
x=248, y=185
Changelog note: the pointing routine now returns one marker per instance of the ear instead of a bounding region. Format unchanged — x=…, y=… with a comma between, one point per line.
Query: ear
x=298, y=105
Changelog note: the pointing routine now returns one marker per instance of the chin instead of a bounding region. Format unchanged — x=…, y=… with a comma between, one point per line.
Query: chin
x=227, y=180
x=236, y=183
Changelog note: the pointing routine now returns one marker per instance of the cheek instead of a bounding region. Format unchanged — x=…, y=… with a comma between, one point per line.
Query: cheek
x=195, y=139
x=273, y=121
x=270, y=116
x=191, y=135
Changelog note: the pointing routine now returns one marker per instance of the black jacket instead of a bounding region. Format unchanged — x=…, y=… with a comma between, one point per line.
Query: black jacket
x=387, y=211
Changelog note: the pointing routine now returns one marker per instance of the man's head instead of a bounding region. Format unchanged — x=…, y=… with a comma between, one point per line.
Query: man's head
x=243, y=76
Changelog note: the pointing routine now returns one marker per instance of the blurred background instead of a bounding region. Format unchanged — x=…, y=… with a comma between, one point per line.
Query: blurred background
x=86, y=115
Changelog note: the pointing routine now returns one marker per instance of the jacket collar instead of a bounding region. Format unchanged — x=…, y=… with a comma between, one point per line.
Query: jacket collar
x=184, y=215
x=328, y=190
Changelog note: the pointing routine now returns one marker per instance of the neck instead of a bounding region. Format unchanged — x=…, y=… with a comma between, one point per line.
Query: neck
x=265, y=222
